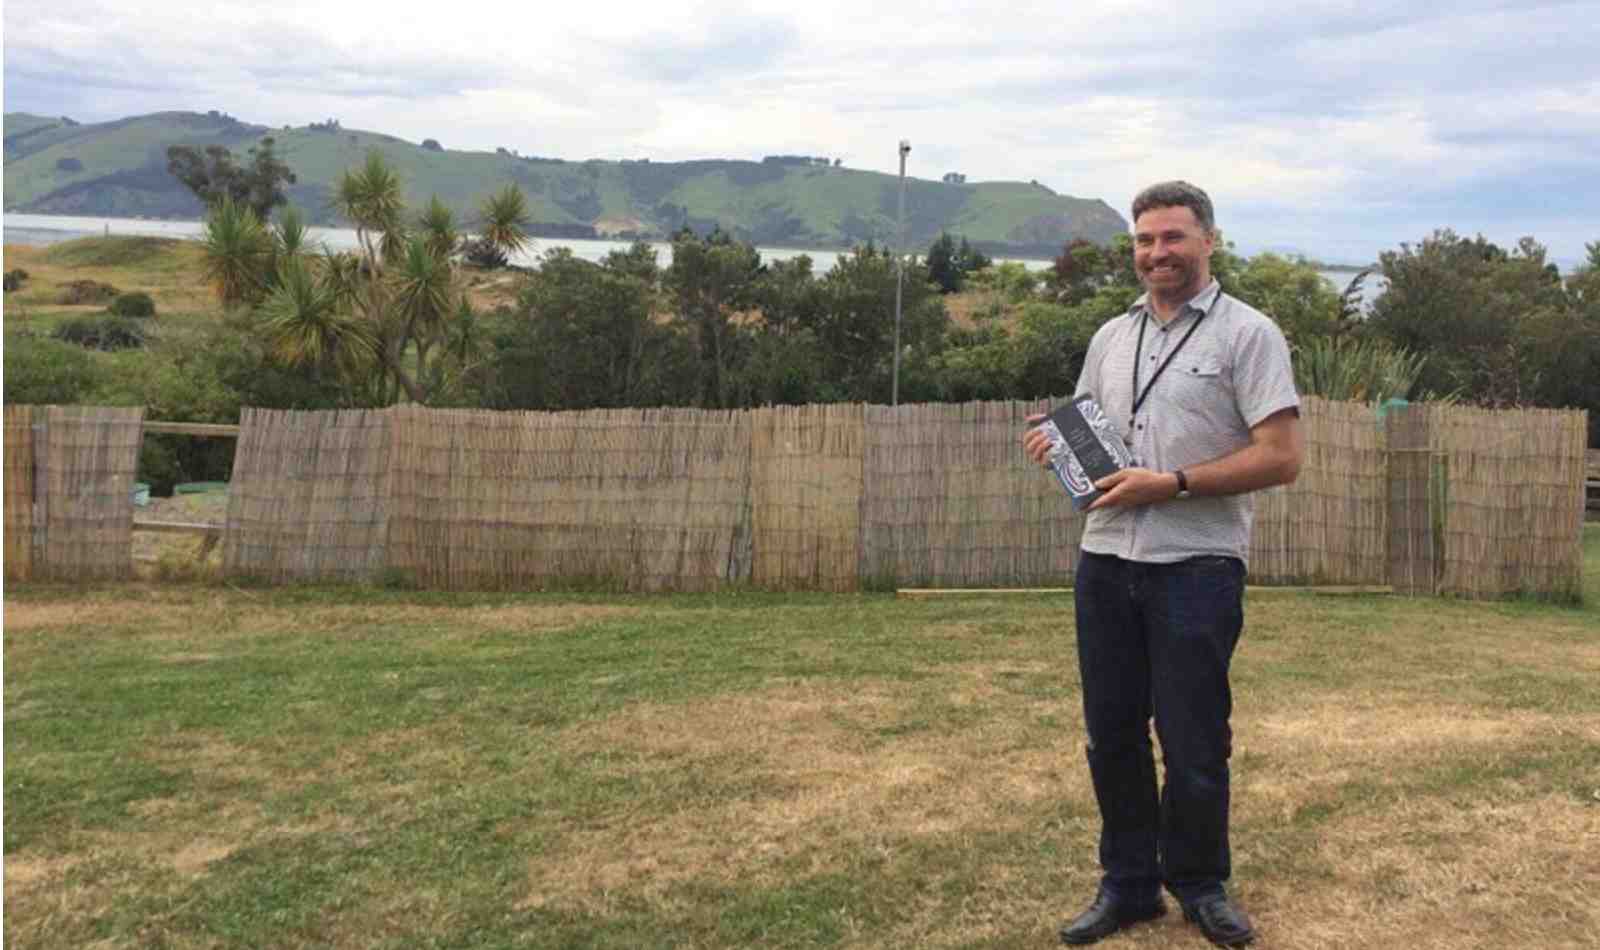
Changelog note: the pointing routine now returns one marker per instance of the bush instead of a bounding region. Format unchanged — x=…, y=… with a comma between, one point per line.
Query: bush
x=101, y=333
x=87, y=291
x=136, y=304
x=42, y=371
x=14, y=279
x=481, y=253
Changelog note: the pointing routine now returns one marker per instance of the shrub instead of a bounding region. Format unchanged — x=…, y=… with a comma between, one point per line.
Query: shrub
x=14, y=279
x=87, y=291
x=136, y=304
x=483, y=253
x=42, y=371
x=69, y=165
x=101, y=333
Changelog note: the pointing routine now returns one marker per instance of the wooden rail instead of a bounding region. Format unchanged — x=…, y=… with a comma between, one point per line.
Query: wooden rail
x=192, y=428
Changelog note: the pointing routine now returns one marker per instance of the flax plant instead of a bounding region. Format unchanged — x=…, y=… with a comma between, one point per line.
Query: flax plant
x=1356, y=370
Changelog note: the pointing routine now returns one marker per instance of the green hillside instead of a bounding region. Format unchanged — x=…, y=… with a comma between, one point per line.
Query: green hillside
x=118, y=169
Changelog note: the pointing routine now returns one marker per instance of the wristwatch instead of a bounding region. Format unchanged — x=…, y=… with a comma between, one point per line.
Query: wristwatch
x=1183, y=484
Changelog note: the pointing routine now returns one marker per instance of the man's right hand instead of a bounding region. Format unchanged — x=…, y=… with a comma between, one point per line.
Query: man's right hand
x=1034, y=442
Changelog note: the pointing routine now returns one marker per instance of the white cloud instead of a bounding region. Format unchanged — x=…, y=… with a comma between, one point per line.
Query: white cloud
x=1351, y=125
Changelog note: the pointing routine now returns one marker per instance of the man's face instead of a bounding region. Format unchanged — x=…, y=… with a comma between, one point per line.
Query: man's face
x=1172, y=252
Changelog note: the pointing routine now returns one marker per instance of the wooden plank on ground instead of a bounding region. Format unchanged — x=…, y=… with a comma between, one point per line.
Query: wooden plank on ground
x=915, y=592
x=177, y=527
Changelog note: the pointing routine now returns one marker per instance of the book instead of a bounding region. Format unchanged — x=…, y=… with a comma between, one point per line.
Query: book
x=1085, y=447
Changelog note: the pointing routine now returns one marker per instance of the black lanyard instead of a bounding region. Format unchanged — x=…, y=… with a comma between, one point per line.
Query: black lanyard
x=1138, y=351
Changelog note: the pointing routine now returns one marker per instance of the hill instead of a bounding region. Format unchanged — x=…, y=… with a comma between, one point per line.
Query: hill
x=118, y=169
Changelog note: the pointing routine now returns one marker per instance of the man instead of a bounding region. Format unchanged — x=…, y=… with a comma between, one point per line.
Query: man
x=1202, y=387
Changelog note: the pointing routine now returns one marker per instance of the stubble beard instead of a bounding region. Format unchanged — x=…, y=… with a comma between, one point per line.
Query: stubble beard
x=1171, y=293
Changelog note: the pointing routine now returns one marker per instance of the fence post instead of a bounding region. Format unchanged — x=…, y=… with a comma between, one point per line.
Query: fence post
x=1412, y=566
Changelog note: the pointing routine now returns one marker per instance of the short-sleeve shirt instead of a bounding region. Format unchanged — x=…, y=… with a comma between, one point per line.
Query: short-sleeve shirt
x=1233, y=372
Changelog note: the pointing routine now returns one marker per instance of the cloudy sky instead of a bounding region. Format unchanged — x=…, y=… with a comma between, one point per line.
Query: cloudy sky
x=1336, y=128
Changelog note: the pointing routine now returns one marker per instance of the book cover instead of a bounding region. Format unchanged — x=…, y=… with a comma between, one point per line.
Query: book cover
x=1085, y=447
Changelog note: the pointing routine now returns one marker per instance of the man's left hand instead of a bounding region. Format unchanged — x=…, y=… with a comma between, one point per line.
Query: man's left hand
x=1135, y=486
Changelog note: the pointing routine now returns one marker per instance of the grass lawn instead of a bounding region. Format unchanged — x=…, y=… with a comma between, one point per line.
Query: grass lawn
x=206, y=766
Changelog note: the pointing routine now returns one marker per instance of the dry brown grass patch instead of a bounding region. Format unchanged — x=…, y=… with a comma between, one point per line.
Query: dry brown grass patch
x=1323, y=744
x=810, y=784
x=450, y=621
x=144, y=612
x=1434, y=875
x=156, y=617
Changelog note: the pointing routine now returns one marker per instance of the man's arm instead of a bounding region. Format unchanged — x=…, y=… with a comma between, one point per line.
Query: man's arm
x=1273, y=457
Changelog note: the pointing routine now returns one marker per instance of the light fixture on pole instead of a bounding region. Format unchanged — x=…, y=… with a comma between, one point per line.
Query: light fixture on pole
x=899, y=270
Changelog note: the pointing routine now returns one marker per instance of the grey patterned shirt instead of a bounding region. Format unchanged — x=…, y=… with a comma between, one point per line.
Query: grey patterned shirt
x=1233, y=373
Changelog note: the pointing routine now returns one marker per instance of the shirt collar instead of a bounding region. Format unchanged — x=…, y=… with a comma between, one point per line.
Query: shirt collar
x=1199, y=303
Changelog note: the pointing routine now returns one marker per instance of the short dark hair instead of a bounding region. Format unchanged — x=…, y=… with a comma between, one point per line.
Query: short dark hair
x=1177, y=194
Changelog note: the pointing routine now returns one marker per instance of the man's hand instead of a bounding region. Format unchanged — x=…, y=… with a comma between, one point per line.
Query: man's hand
x=1135, y=486
x=1034, y=442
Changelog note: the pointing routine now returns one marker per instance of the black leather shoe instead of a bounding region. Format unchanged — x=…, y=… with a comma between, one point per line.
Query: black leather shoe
x=1106, y=916
x=1221, y=920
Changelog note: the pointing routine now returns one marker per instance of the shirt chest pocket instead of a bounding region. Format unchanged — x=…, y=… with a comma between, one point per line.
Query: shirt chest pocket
x=1199, y=377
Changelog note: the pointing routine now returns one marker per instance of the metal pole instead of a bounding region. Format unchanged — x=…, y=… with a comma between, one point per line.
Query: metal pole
x=899, y=270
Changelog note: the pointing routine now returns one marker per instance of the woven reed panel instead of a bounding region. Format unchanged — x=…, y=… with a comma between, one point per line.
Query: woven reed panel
x=1511, y=483
x=86, y=461
x=951, y=501
x=1330, y=526
x=19, y=492
x=805, y=497
x=652, y=499
x=307, y=499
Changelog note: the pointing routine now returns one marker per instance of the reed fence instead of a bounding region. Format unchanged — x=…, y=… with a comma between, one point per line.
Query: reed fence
x=19, y=492
x=1428, y=499
x=69, y=475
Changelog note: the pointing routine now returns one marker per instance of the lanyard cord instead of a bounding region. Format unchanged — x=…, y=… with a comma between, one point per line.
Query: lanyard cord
x=1138, y=351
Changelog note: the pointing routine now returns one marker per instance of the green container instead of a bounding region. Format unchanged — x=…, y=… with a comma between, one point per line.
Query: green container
x=199, y=488
x=141, y=494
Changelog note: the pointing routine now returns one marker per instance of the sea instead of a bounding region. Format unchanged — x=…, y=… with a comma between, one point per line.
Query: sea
x=43, y=229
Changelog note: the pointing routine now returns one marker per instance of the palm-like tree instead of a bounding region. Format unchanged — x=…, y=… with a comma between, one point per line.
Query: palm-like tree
x=236, y=250
x=423, y=288
x=305, y=325
x=437, y=227
x=290, y=240
x=503, y=217
x=372, y=198
x=290, y=236
x=341, y=277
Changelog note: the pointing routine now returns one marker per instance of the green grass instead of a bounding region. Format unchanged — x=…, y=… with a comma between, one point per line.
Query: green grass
x=160, y=254
x=211, y=766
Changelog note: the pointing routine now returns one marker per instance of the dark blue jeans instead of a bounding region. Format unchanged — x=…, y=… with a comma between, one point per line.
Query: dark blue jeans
x=1156, y=640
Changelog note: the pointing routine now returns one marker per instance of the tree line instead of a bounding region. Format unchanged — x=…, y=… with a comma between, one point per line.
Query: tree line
x=716, y=327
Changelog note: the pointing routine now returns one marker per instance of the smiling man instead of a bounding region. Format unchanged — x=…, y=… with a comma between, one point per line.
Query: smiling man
x=1202, y=386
